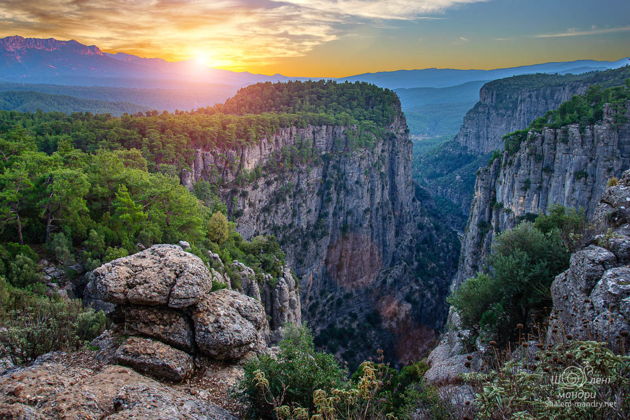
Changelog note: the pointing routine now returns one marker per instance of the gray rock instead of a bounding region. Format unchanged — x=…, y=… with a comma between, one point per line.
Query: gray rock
x=588, y=265
x=106, y=345
x=185, y=245
x=215, y=260
x=145, y=401
x=244, y=280
x=280, y=297
x=5, y=365
x=591, y=300
x=229, y=325
x=161, y=275
x=155, y=358
x=55, y=391
x=169, y=326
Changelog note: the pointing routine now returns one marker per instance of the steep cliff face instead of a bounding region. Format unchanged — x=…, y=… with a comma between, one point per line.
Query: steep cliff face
x=374, y=265
x=502, y=111
x=511, y=104
x=568, y=166
x=591, y=300
x=504, y=106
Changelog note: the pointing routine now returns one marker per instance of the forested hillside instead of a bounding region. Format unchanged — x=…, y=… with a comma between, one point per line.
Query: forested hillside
x=35, y=101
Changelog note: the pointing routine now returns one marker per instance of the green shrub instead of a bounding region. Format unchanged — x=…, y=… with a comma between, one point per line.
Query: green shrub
x=567, y=222
x=35, y=324
x=539, y=387
x=291, y=376
x=523, y=263
x=300, y=383
x=218, y=228
x=18, y=265
x=113, y=253
x=218, y=285
x=61, y=247
x=581, y=175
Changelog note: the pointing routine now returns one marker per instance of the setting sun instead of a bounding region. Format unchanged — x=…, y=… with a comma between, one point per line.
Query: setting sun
x=203, y=58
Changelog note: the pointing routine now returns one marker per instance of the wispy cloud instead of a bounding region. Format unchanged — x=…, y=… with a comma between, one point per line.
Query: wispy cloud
x=236, y=33
x=382, y=9
x=593, y=31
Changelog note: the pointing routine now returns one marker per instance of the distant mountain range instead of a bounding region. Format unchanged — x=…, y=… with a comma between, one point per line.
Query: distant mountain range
x=452, y=77
x=434, y=100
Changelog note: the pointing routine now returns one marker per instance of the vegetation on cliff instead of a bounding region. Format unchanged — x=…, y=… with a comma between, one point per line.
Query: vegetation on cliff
x=577, y=379
x=584, y=110
x=80, y=210
x=167, y=140
x=354, y=101
x=515, y=285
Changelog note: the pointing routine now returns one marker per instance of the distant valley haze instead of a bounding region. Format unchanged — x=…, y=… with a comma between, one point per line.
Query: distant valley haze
x=433, y=99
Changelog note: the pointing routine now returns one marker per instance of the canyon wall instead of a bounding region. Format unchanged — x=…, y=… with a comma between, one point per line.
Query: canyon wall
x=504, y=106
x=373, y=262
x=568, y=166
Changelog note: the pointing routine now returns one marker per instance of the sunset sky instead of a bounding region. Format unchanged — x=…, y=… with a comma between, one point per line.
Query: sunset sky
x=330, y=38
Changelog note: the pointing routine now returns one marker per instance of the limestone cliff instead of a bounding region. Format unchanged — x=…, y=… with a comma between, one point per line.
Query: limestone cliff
x=591, y=300
x=373, y=263
x=511, y=104
x=504, y=106
x=568, y=166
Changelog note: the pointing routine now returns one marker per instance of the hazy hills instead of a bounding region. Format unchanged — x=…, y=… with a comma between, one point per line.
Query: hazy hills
x=451, y=77
x=438, y=111
x=37, y=101
x=184, y=98
x=434, y=100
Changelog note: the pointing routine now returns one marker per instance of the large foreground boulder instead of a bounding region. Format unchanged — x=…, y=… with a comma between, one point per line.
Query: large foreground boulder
x=162, y=297
x=162, y=275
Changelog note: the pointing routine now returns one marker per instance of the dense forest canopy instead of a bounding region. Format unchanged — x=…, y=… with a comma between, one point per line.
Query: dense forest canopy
x=255, y=112
x=515, y=84
x=36, y=101
x=361, y=101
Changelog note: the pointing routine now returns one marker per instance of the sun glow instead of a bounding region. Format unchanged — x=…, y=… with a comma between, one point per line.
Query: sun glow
x=203, y=59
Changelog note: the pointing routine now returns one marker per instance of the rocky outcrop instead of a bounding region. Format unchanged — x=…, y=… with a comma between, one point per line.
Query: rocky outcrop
x=501, y=110
x=53, y=390
x=374, y=266
x=163, y=275
x=591, y=300
x=155, y=358
x=163, y=296
x=280, y=296
x=229, y=325
x=568, y=166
